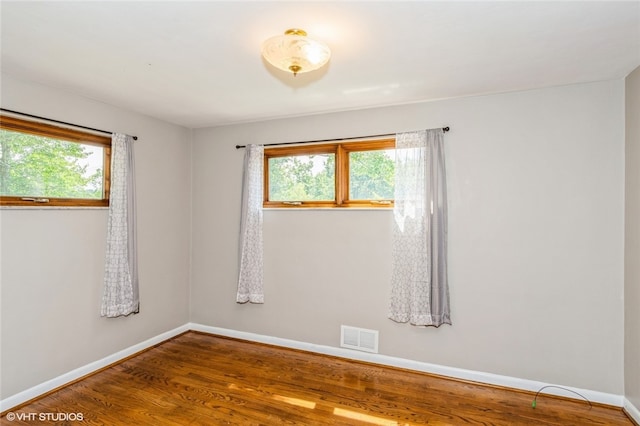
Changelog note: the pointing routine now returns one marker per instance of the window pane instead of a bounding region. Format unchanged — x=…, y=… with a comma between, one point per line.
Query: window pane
x=302, y=178
x=37, y=166
x=371, y=175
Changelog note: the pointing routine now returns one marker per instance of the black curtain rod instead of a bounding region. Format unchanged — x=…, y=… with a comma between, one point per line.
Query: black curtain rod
x=444, y=129
x=135, y=138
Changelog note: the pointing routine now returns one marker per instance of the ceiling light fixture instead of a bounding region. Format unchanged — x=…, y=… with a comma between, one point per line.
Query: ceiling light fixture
x=295, y=52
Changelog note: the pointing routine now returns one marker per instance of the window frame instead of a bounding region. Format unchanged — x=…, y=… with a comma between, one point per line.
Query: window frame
x=341, y=151
x=70, y=135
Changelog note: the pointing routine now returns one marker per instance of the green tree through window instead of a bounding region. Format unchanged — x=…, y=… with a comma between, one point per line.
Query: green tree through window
x=371, y=175
x=333, y=175
x=50, y=165
x=302, y=178
x=44, y=167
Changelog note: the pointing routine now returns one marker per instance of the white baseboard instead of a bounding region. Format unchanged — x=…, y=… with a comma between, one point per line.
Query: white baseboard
x=632, y=410
x=476, y=376
x=459, y=373
x=49, y=385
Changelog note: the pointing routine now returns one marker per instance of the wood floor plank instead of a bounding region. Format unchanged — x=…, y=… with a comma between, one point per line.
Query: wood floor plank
x=201, y=379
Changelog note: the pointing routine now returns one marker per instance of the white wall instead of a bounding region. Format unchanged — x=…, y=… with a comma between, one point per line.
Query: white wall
x=52, y=260
x=536, y=238
x=536, y=183
x=632, y=241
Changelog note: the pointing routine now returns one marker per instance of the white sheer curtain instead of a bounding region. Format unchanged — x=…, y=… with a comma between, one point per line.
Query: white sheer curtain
x=120, y=295
x=250, y=282
x=419, y=288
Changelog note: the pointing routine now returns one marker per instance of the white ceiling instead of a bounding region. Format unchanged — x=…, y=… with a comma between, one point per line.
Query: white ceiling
x=198, y=64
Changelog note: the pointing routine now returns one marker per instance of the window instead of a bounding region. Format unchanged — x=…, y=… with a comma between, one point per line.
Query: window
x=354, y=174
x=44, y=165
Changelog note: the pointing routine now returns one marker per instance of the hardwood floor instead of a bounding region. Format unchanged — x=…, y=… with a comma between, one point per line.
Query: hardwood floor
x=200, y=379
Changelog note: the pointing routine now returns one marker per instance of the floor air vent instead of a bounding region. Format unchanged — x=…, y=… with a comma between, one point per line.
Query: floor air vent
x=359, y=338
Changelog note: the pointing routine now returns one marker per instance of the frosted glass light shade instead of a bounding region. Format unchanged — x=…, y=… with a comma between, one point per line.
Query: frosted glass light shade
x=295, y=52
